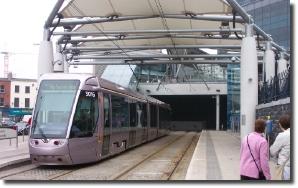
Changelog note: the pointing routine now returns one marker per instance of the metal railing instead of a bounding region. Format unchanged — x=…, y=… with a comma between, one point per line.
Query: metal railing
x=275, y=89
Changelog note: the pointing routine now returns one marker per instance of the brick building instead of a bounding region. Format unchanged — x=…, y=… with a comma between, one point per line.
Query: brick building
x=5, y=92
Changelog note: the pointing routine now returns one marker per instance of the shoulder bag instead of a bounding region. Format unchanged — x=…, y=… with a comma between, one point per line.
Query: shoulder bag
x=261, y=174
x=279, y=171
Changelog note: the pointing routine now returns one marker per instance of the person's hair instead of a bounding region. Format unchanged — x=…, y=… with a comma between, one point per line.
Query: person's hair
x=260, y=125
x=285, y=121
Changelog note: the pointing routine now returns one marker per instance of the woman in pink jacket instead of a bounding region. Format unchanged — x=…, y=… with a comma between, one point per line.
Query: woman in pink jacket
x=254, y=154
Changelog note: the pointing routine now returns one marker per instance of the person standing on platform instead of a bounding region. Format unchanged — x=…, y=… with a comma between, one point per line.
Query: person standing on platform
x=254, y=154
x=280, y=149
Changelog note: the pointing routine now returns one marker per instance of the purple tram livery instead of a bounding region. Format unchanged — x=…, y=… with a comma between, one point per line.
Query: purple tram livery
x=79, y=118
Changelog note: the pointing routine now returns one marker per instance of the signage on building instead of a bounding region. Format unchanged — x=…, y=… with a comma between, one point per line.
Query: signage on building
x=6, y=133
x=20, y=111
x=16, y=111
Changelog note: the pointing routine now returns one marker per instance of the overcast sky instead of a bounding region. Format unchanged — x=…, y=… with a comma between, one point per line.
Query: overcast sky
x=21, y=27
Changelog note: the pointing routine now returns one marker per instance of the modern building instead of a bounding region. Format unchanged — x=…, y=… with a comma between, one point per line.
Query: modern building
x=233, y=98
x=194, y=91
x=273, y=16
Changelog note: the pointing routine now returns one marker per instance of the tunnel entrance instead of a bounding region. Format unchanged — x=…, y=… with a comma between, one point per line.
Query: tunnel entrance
x=193, y=113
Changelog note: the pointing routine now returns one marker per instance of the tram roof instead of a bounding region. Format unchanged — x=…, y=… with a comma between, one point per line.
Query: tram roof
x=103, y=83
x=106, y=84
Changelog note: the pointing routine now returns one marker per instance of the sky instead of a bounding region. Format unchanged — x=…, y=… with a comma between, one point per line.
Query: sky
x=21, y=31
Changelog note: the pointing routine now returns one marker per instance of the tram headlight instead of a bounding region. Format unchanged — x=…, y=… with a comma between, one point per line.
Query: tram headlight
x=59, y=142
x=34, y=142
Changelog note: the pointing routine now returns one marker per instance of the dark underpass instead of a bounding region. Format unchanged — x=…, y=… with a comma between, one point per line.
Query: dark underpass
x=193, y=113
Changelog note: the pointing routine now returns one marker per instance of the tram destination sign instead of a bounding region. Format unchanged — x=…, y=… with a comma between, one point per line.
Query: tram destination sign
x=6, y=133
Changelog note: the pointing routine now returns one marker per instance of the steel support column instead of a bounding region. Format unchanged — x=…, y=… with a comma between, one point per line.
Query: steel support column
x=153, y=62
x=45, y=57
x=154, y=56
x=53, y=14
x=248, y=82
x=94, y=20
x=152, y=47
x=170, y=31
x=282, y=64
x=269, y=59
x=217, y=111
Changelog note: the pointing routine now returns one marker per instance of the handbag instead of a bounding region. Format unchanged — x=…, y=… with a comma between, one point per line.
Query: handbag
x=279, y=171
x=261, y=174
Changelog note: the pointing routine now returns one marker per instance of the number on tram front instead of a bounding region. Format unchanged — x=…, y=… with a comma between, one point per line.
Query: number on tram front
x=90, y=94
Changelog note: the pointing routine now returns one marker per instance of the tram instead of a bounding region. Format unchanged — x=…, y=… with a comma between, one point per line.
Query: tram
x=79, y=118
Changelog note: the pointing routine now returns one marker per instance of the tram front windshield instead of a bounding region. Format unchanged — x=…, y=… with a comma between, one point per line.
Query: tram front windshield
x=53, y=108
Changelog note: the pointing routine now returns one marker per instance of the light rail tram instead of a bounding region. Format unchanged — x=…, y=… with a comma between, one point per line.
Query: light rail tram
x=79, y=118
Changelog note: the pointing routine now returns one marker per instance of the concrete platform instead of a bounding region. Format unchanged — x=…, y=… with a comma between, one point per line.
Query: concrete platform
x=10, y=153
x=217, y=157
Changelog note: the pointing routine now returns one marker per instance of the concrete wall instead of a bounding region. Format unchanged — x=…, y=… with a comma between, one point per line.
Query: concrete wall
x=188, y=125
x=184, y=88
x=274, y=109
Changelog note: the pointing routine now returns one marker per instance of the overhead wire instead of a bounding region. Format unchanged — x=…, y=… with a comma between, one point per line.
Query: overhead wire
x=234, y=24
x=165, y=24
x=114, y=42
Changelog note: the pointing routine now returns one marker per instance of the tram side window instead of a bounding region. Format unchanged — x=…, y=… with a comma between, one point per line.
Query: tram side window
x=119, y=112
x=86, y=115
x=133, y=114
x=163, y=118
x=144, y=115
x=106, y=99
x=139, y=114
x=153, y=116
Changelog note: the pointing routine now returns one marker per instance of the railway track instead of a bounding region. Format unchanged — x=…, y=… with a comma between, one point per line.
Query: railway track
x=164, y=159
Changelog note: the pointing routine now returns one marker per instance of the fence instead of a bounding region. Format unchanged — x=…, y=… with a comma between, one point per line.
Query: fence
x=7, y=132
x=275, y=89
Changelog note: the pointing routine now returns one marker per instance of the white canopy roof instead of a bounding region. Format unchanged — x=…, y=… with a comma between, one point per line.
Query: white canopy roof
x=166, y=15
x=119, y=26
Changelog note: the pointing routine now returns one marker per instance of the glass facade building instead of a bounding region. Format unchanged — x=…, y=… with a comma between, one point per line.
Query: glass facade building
x=233, y=97
x=273, y=16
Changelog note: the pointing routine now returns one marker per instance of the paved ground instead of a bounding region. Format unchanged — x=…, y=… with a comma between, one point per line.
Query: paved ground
x=11, y=153
x=216, y=157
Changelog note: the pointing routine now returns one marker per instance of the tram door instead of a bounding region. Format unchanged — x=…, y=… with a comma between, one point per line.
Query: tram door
x=107, y=125
x=83, y=137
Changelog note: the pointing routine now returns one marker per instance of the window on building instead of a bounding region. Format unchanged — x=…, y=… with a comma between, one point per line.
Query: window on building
x=27, y=102
x=2, y=89
x=27, y=89
x=1, y=101
x=16, y=89
x=16, y=102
